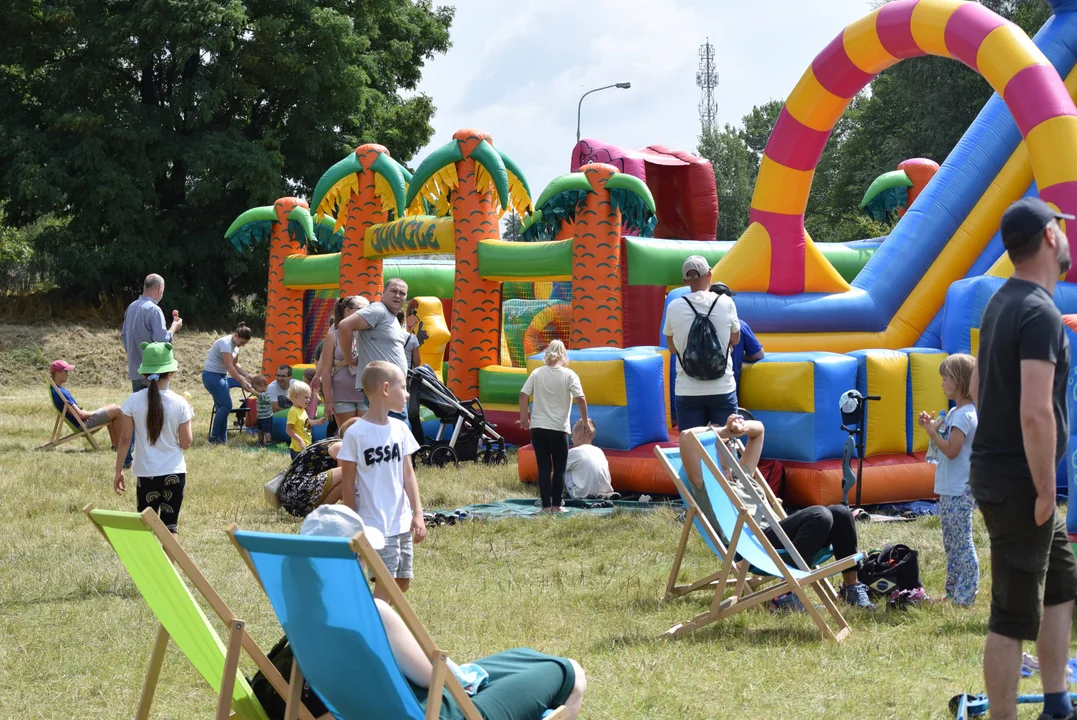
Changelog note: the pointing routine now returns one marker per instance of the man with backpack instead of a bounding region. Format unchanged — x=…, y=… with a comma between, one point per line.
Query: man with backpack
x=700, y=328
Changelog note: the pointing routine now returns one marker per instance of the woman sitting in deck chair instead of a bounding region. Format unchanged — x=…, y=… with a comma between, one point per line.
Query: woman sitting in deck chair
x=809, y=530
x=106, y=415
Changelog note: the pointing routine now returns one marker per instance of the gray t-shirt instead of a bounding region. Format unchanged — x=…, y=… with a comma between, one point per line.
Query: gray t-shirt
x=384, y=340
x=214, y=363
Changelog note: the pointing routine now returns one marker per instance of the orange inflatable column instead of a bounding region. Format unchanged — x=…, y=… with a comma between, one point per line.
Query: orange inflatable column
x=284, y=306
x=597, y=312
x=476, y=309
x=360, y=275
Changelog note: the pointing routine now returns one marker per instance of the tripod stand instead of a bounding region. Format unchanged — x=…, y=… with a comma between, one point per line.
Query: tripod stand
x=854, y=423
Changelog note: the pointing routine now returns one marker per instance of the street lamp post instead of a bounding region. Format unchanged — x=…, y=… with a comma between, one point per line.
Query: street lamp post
x=620, y=85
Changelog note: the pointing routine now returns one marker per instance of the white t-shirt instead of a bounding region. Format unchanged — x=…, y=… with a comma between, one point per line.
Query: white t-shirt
x=587, y=472
x=552, y=389
x=165, y=457
x=952, y=476
x=679, y=319
x=378, y=452
x=279, y=395
x=213, y=363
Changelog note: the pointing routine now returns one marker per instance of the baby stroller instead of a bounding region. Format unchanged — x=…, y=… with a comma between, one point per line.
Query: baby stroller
x=470, y=436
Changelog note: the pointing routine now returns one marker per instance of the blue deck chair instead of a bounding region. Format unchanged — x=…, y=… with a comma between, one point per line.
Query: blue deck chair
x=748, y=542
x=696, y=517
x=321, y=597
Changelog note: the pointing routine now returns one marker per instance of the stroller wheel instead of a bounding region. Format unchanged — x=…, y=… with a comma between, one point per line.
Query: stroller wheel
x=499, y=458
x=422, y=455
x=487, y=457
x=442, y=456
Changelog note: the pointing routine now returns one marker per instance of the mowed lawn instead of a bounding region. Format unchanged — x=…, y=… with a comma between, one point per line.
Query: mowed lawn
x=75, y=635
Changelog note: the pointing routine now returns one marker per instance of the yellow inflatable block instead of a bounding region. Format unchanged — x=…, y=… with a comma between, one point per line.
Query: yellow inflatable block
x=1051, y=144
x=819, y=274
x=777, y=386
x=862, y=45
x=431, y=329
x=927, y=394
x=781, y=189
x=974, y=342
x=928, y=24
x=813, y=105
x=1004, y=52
x=887, y=377
x=746, y=267
x=603, y=380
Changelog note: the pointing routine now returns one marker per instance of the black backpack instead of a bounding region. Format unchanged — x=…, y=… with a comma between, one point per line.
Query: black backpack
x=272, y=702
x=890, y=570
x=703, y=357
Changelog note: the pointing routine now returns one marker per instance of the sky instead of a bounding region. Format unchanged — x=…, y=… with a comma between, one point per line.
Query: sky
x=516, y=70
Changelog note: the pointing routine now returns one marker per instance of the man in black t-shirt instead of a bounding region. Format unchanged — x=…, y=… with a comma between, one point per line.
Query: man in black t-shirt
x=1020, y=388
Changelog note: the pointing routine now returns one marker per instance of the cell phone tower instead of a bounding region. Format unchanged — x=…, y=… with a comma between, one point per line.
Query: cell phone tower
x=707, y=80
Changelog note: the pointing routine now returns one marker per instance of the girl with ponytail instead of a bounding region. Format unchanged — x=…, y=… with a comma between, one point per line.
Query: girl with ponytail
x=160, y=422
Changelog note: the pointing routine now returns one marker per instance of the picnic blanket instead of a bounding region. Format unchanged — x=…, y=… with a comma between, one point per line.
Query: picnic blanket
x=529, y=507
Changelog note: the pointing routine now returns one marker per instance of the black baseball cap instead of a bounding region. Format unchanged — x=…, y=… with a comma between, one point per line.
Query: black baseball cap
x=1023, y=220
x=722, y=289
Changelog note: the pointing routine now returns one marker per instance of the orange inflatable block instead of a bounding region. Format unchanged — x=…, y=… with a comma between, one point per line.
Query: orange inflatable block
x=887, y=479
x=631, y=471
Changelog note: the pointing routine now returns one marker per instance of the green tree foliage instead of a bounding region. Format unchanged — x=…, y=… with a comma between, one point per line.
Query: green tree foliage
x=151, y=124
x=513, y=227
x=918, y=108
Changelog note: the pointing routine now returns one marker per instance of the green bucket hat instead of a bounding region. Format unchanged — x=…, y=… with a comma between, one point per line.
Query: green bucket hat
x=157, y=359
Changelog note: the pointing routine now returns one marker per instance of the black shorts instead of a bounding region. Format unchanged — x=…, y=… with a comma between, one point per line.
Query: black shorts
x=265, y=425
x=163, y=493
x=1032, y=566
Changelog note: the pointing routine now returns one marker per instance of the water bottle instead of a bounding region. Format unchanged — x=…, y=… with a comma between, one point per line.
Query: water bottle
x=934, y=454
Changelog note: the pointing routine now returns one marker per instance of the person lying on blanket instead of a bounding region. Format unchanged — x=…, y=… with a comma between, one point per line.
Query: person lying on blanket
x=511, y=700
x=809, y=530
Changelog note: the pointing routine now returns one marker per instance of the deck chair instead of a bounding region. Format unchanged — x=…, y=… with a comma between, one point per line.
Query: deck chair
x=66, y=417
x=154, y=559
x=748, y=547
x=697, y=518
x=323, y=602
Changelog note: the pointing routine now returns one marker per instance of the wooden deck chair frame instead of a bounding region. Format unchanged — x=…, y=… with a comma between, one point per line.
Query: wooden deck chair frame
x=238, y=637
x=61, y=416
x=772, y=503
x=443, y=677
x=743, y=596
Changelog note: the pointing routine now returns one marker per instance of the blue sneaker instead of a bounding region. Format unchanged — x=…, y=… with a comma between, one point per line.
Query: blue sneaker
x=856, y=595
x=788, y=602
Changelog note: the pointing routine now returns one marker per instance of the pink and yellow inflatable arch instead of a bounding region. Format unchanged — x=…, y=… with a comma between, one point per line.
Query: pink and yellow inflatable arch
x=775, y=254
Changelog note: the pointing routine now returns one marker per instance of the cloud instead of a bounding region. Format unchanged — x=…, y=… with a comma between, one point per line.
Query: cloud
x=517, y=72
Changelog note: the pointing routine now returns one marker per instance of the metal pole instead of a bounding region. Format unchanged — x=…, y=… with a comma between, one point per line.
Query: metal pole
x=579, y=106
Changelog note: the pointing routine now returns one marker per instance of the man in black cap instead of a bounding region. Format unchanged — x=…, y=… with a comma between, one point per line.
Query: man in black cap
x=1020, y=390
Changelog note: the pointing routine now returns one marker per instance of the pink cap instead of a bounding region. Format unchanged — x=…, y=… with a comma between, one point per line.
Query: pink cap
x=58, y=365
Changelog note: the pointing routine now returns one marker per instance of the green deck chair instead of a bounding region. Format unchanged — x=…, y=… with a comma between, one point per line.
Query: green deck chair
x=154, y=559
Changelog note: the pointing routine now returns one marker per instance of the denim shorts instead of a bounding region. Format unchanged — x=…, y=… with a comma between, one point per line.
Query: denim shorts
x=397, y=555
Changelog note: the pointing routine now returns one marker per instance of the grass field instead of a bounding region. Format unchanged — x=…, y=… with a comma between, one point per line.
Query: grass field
x=75, y=635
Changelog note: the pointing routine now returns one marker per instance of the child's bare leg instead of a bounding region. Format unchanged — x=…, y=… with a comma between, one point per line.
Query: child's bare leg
x=575, y=698
x=381, y=593
x=403, y=584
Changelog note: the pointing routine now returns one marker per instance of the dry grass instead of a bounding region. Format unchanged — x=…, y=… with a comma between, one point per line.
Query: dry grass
x=75, y=635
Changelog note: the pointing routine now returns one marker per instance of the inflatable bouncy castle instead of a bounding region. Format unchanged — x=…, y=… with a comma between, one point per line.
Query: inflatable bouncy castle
x=607, y=241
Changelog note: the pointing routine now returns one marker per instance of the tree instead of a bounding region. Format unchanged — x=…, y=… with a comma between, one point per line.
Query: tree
x=735, y=168
x=151, y=124
x=512, y=227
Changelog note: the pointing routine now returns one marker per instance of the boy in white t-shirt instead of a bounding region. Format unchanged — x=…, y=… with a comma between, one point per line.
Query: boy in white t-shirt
x=377, y=475
x=588, y=471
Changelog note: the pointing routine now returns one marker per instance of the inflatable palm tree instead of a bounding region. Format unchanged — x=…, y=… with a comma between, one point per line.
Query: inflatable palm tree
x=288, y=225
x=475, y=183
x=597, y=203
x=360, y=191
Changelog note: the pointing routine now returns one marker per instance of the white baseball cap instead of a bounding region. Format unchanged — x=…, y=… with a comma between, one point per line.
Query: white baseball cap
x=340, y=521
x=698, y=263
